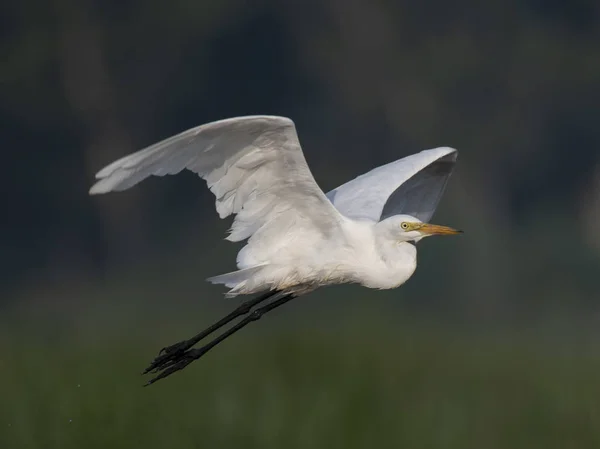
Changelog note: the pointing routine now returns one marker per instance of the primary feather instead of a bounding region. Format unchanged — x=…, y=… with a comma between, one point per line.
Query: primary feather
x=412, y=185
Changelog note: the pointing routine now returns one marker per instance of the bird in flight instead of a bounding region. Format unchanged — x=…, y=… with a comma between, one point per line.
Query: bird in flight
x=298, y=237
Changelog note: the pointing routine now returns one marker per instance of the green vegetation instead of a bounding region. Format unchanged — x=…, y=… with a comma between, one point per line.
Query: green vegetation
x=289, y=389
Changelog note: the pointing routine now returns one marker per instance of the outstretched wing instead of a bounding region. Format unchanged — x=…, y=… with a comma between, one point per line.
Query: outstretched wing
x=254, y=166
x=412, y=186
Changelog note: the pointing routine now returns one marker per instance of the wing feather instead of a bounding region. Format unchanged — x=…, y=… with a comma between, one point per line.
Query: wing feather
x=412, y=185
x=253, y=165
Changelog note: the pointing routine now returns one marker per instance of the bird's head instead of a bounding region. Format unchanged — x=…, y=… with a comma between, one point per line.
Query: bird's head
x=406, y=228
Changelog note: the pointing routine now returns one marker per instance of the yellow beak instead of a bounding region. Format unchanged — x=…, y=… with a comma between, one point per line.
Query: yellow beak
x=431, y=229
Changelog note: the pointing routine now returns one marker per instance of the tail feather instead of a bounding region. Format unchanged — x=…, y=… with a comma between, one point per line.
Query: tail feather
x=235, y=280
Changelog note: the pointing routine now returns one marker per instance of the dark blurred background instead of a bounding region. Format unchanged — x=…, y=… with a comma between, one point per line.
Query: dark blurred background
x=491, y=344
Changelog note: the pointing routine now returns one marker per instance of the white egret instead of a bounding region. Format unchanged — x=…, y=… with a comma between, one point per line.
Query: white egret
x=298, y=238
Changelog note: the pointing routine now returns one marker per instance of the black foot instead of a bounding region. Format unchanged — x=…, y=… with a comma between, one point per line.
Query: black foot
x=175, y=361
x=176, y=357
x=168, y=354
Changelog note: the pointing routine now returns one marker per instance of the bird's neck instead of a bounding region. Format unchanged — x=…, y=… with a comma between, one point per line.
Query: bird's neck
x=399, y=261
x=397, y=253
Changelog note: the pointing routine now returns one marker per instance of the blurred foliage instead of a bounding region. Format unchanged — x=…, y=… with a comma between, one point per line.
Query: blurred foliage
x=407, y=388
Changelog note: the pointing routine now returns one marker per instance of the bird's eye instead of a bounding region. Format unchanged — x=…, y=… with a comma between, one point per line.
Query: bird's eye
x=404, y=225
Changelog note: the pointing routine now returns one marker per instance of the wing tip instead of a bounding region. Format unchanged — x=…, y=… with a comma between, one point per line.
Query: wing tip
x=447, y=150
x=242, y=118
x=99, y=188
x=443, y=152
x=105, y=185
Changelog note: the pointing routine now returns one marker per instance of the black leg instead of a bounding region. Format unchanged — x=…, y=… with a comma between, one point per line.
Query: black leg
x=181, y=360
x=172, y=352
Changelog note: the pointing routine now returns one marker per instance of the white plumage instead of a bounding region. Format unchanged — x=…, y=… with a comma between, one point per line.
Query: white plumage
x=412, y=186
x=298, y=237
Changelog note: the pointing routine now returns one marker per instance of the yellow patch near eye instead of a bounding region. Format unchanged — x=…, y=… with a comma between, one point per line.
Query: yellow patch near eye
x=407, y=226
